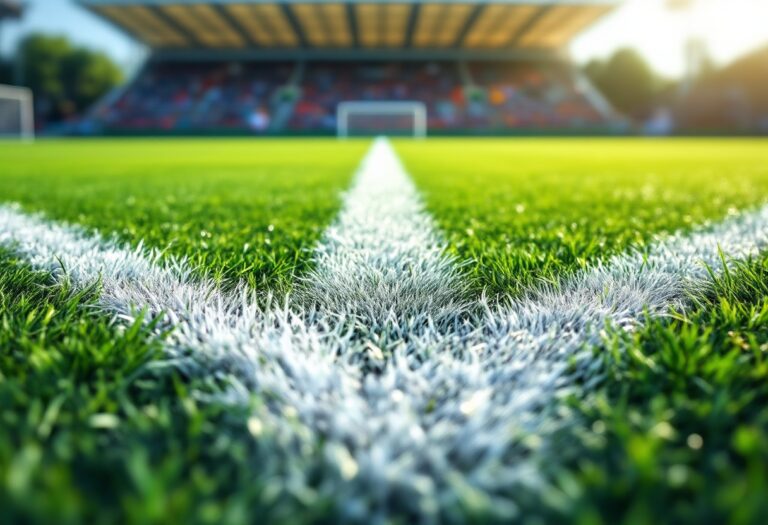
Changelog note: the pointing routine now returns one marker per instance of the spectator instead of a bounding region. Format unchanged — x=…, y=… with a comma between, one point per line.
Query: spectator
x=208, y=96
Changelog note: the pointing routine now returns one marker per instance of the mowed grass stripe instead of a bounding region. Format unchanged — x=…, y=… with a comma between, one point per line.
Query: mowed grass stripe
x=525, y=210
x=236, y=210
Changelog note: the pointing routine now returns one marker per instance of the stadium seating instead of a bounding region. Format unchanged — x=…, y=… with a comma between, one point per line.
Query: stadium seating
x=326, y=84
x=302, y=98
x=529, y=96
x=183, y=96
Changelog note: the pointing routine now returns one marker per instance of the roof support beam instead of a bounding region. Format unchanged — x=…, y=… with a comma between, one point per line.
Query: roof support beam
x=471, y=19
x=295, y=25
x=411, y=27
x=356, y=55
x=159, y=13
x=269, y=29
x=529, y=25
x=236, y=27
x=352, y=23
x=120, y=28
x=322, y=17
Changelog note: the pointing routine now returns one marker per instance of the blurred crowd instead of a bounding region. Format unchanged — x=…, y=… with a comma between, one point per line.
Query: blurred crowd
x=274, y=97
x=325, y=85
x=181, y=96
x=491, y=96
x=530, y=96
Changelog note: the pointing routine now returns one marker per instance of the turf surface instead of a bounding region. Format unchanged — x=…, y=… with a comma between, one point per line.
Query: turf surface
x=529, y=209
x=238, y=209
x=94, y=430
x=676, y=433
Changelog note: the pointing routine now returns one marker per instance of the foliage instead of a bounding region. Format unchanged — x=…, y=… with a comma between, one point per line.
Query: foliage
x=6, y=71
x=627, y=81
x=733, y=98
x=66, y=79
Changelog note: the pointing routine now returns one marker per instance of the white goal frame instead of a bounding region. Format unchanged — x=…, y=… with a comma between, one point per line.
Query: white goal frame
x=417, y=109
x=26, y=111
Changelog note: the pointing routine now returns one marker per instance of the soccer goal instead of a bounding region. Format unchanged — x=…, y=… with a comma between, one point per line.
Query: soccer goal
x=381, y=118
x=16, y=113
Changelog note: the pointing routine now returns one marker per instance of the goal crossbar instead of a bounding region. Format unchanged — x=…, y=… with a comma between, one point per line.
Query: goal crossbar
x=418, y=110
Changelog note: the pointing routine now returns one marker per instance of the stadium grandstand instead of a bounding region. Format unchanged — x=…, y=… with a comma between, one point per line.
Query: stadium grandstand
x=284, y=66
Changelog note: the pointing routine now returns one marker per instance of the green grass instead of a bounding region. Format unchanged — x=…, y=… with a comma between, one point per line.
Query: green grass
x=677, y=432
x=238, y=209
x=529, y=209
x=94, y=430
x=91, y=434
x=91, y=431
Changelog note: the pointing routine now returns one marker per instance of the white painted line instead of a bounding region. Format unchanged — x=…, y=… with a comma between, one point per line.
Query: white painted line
x=224, y=334
x=520, y=357
x=382, y=265
x=455, y=386
x=440, y=422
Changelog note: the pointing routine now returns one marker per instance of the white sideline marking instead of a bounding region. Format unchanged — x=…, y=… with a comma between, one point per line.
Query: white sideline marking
x=223, y=334
x=439, y=424
x=451, y=388
x=523, y=351
x=381, y=263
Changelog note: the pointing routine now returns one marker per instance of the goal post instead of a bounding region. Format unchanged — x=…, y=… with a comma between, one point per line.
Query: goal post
x=381, y=118
x=17, y=118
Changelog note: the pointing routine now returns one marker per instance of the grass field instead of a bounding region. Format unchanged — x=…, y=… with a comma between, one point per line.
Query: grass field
x=534, y=209
x=96, y=426
x=236, y=209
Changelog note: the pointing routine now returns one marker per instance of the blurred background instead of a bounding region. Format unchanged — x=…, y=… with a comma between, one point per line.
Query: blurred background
x=282, y=67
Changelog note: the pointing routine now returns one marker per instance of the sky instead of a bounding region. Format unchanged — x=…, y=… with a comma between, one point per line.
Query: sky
x=67, y=18
x=731, y=27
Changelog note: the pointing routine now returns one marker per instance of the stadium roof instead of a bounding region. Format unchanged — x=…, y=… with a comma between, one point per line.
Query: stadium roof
x=352, y=24
x=10, y=9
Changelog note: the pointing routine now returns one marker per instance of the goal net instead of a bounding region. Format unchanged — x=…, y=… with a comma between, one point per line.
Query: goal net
x=381, y=118
x=16, y=113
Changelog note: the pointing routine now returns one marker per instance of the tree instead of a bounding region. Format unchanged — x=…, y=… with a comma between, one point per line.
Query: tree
x=88, y=75
x=6, y=71
x=65, y=79
x=627, y=81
